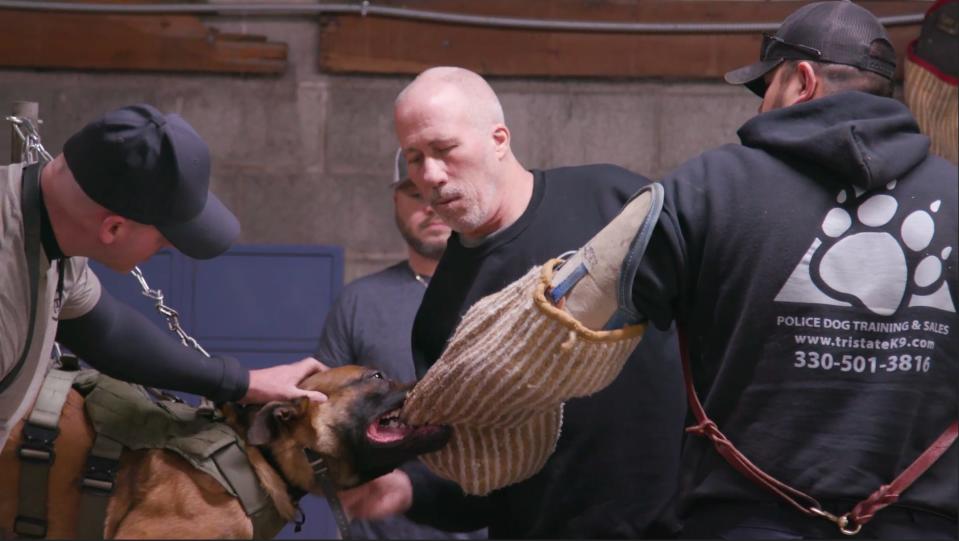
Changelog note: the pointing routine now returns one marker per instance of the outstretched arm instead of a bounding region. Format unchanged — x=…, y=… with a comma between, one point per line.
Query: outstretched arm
x=122, y=343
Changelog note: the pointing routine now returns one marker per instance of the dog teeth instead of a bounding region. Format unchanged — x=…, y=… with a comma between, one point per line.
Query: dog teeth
x=391, y=422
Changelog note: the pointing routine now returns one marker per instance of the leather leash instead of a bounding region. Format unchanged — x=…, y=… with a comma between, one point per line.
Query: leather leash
x=321, y=475
x=849, y=523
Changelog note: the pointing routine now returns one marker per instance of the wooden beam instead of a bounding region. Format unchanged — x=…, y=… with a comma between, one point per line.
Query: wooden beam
x=354, y=44
x=34, y=39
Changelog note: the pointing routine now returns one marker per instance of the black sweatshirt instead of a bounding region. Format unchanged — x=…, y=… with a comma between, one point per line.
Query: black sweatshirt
x=815, y=269
x=615, y=467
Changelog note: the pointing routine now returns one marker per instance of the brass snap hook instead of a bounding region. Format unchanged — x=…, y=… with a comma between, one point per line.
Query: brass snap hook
x=845, y=528
x=842, y=521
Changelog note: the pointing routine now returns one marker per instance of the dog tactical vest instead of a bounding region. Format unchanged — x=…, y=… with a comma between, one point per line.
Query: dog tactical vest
x=126, y=414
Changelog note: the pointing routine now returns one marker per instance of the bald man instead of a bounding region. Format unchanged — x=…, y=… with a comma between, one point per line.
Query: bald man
x=125, y=186
x=615, y=465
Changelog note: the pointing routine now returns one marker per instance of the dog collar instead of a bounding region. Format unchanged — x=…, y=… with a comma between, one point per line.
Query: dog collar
x=321, y=477
x=294, y=492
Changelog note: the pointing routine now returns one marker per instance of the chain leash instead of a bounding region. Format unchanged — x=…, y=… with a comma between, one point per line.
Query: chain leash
x=32, y=148
x=172, y=316
x=206, y=408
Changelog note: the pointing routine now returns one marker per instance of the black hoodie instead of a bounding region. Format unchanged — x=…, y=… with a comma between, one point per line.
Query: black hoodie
x=814, y=269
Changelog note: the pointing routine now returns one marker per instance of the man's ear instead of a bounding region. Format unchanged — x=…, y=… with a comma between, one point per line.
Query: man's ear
x=110, y=229
x=808, y=83
x=267, y=422
x=501, y=138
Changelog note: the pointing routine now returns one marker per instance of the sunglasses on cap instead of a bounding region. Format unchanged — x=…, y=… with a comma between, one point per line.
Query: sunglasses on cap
x=769, y=40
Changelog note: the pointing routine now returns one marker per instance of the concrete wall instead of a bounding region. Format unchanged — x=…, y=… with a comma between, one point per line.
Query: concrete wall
x=306, y=158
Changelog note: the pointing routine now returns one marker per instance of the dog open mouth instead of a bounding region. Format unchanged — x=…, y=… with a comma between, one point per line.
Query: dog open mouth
x=389, y=429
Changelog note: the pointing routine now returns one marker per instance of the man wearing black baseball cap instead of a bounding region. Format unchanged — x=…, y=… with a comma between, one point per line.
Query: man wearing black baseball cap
x=812, y=271
x=810, y=268
x=154, y=169
x=842, y=42
x=126, y=185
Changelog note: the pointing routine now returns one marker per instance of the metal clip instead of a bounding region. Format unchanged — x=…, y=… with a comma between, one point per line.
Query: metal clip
x=28, y=133
x=299, y=518
x=37, y=443
x=100, y=475
x=30, y=526
x=842, y=521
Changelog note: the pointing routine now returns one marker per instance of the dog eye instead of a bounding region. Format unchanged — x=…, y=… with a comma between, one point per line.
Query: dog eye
x=377, y=375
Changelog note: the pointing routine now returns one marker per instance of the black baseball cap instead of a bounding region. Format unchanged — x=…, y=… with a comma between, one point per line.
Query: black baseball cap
x=153, y=168
x=838, y=32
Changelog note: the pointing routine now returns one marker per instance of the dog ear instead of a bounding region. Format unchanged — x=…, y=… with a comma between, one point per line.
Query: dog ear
x=302, y=405
x=267, y=420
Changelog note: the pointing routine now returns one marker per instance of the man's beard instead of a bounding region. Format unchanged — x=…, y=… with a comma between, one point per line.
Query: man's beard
x=430, y=249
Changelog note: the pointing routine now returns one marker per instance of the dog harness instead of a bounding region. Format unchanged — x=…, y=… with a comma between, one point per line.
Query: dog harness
x=124, y=416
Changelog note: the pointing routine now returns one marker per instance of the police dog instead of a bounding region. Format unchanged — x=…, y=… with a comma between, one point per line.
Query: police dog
x=158, y=494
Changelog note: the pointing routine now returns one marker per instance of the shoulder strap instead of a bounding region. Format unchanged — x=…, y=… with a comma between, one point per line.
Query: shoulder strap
x=30, y=207
x=36, y=453
x=237, y=470
x=849, y=523
x=96, y=486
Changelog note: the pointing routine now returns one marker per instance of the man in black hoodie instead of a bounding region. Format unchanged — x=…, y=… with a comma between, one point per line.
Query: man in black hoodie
x=813, y=271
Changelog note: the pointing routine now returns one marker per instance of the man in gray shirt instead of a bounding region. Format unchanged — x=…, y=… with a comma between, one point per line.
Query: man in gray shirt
x=371, y=322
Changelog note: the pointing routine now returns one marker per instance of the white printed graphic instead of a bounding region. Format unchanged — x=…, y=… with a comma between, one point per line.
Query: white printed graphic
x=871, y=265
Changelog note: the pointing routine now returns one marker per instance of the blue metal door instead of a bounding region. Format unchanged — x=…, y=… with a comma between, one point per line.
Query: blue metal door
x=262, y=304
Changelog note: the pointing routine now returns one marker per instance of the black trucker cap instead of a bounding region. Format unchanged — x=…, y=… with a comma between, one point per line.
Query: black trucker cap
x=154, y=169
x=838, y=32
x=400, y=172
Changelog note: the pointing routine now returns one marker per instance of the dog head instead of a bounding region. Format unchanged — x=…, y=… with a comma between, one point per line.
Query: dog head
x=357, y=430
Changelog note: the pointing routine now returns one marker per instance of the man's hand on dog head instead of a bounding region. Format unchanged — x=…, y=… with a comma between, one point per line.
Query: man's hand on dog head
x=385, y=496
x=280, y=382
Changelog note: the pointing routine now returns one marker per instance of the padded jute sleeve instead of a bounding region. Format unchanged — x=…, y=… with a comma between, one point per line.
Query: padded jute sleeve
x=502, y=380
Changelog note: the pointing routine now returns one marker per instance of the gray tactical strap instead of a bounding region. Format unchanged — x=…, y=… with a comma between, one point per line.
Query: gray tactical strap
x=37, y=455
x=53, y=394
x=238, y=472
x=96, y=486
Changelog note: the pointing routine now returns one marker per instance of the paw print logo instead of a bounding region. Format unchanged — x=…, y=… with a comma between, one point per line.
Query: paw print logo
x=874, y=258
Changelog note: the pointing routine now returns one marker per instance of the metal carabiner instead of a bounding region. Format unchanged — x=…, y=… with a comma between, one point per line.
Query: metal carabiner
x=28, y=133
x=849, y=531
x=842, y=521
